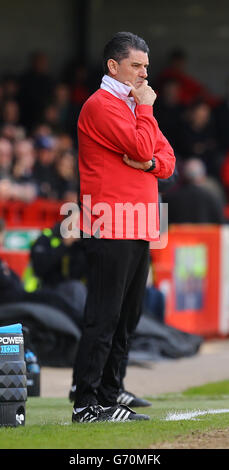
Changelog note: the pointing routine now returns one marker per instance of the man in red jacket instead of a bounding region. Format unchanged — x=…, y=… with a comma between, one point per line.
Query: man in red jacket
x=122, y=153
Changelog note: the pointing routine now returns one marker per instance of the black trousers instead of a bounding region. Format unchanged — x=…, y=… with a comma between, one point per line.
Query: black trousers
x=118, y=271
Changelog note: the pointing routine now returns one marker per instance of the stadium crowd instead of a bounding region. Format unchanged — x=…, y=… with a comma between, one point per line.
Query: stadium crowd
x=38, y=138
x=38, y=130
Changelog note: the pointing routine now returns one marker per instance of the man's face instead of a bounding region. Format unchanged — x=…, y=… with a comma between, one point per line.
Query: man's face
x=132, y=69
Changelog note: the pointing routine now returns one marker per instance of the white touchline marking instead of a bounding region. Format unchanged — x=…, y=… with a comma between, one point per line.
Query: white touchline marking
x=193, y=414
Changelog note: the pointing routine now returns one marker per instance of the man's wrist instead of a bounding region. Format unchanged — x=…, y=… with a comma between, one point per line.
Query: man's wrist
x=145, y=103
x=152, y=166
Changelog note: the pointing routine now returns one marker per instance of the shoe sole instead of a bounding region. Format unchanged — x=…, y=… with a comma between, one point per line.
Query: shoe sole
x=111, y=420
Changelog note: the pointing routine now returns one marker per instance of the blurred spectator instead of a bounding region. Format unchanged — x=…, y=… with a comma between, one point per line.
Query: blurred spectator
x=36, y=87
x=6, y=189
x=44, y=168
x=59, y=264
x=197, y=137
x=12, y=133
x=9, y=190
x=77, y=77
x=10, y=113
x=221, y=113
x=80, y=90
x=10, y=123
x=1, y=92
x=68, y=111
x=6, y=158
x=11, y=87
x=192, y=202
x=190, y=88
x=51, y=117
x=61, y=118
x=26, y=192
x=224, y=174
x=168, y=110
x=64, y=142
x=66, y=179
x=41, y=130
x=24, y=162
x=23, y=148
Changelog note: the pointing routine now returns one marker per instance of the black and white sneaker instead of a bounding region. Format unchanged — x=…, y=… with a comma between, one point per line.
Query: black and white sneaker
x=95, y=413
x=128, y=398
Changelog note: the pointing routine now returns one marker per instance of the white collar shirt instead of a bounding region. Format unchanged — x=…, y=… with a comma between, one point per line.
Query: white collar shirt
x=118, y=89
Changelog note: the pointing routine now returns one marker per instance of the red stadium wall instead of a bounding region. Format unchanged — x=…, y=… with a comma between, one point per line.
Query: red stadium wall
x=40, y=213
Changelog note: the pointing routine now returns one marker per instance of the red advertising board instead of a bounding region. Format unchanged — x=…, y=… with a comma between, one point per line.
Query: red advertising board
x=188, y=271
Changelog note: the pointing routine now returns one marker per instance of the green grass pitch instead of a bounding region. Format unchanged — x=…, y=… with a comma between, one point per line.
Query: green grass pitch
x=48, y=423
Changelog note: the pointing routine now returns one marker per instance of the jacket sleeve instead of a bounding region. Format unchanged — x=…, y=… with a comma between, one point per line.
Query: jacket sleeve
x=113, y=127
x=164, y=158
x=166, y=184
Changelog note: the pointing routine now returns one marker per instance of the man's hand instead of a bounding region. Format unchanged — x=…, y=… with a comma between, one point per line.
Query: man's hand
x=137, y=165
x=144, y=94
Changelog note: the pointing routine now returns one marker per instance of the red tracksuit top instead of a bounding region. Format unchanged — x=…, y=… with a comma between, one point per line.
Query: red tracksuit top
x=108, y=129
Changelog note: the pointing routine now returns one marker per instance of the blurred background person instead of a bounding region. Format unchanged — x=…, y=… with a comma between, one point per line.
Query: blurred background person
x=65, y=142
x=68, y=111
x=51, y=117
x=24, y=161
x=198, y=138
x=168, y=110
x=190, y=88
x=12, y=133
x=16, y=180
x=44, y=168
x=36, y=86
x=224, y=175
x=10, y=125
x=11, y=87
x=66, y=184
x=41, y=130
x=1, y=92
x=221, y=113
x=195, y=200
x=59, y=264
x=77, y=77
x=6, y=158
x=10, y=112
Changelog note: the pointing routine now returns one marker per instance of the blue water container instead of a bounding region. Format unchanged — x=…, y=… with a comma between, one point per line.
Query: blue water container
x=13, y=381
x=33, y=374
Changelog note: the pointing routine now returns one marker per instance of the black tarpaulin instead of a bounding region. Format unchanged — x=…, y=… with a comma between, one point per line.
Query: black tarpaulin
x=55, y=336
